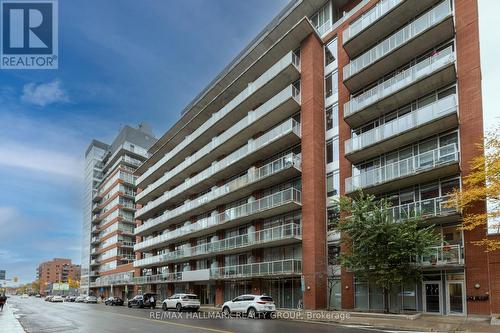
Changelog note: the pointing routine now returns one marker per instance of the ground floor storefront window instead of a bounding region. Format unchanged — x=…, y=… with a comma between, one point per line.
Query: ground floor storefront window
x=287, y=293
x=439, y=292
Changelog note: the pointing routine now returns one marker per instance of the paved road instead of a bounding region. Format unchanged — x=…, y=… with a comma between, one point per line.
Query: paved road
x=36, y=315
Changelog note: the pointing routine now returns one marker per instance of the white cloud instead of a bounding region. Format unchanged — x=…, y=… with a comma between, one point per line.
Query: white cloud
x=40, y=160
x=44, y=93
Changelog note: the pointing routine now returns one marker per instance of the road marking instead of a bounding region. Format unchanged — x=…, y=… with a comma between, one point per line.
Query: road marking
x=176, y=324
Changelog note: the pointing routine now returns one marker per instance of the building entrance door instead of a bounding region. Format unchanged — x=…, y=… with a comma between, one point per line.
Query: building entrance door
x=455, y=300
x=432, y=297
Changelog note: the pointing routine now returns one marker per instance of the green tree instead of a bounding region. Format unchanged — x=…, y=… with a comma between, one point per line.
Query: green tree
x=382, y=250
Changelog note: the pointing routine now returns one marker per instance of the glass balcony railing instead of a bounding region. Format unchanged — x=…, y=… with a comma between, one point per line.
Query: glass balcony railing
x=369, y=17
x=428, y=208
x=443, y=255
x=275, y=268
x=287, y=231
x=402, y=80
x=252, y=117
x=289, y=58
x=262, y=204
x=412, y=120
x=406, y=167
x=403, y=36
x=252, y=176
x=280, y=267
x=281, y=130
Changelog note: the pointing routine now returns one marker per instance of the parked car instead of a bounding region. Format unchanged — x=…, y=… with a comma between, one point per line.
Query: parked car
x=113, y=301
x=24, y=296
x=48, y=298
x=251, y=305
x=38, y=296
x=70, y=299
x=80, y=299
x=141, y=301
x=90, y=299
x=182, y=302
x=56, y=299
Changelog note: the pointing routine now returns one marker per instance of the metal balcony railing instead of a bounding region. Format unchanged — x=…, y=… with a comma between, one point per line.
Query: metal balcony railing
x=443, y=255
x=369, y=17
x=409, y=166
x=252, y=176
x=399, y=38
x=434, y=207
x=289, y=58
x=274, y=200
x=414, y=119
x=404, y=79
x=287, y=231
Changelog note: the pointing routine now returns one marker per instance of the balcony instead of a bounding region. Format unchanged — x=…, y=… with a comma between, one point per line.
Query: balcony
x=420, y=168
x=283, y=72
x=420, y=79
x=281, y=169
x=434, y=118
x=95, y=240
x=279, y=268
x=430, y=29
x=432, y=211
x=275, y=204
x=277, y=236
x=280, y=137
x=385, y=17
x=94, y=262
x=96, y=208
x=446, y=255
x=95, y=229
x=277, y=109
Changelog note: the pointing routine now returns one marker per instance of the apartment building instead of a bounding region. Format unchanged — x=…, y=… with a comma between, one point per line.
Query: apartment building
x=56, y=270
x=108, y=227
x=331, y=98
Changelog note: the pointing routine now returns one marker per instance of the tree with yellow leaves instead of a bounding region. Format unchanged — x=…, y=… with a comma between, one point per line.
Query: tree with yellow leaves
x=73, y=283
x=482, y=184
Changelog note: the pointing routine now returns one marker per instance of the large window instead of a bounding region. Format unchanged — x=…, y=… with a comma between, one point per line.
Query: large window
x=332, y=117
x=332, y=150
x=331, y=84
x=332, y=184
x=331, y=52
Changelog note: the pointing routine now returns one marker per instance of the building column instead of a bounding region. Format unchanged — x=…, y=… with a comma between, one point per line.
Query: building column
x=314, y=265
x=471, y=133
x=219, y=293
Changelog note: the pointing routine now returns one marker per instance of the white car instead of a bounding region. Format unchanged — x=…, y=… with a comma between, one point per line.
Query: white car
x=251, y=305
x=181, y=302
x=24, y=296
x=57, y=299
x=90, y=299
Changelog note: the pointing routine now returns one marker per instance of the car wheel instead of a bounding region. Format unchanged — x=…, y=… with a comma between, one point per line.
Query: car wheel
x=178, y=307
x=129, y=305
x=251, y=313
x=164, y=306
x=141, y=305
x=226, y=311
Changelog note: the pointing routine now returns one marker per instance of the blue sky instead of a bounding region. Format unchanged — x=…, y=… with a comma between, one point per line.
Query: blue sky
x=122, y=62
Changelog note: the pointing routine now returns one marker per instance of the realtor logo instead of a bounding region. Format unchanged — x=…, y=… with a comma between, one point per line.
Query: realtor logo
x=29, y=34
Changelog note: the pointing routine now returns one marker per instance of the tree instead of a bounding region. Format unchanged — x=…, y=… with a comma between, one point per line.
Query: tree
x=35, y=286
x=75, y=284
x=482, y=185
x=382, y=250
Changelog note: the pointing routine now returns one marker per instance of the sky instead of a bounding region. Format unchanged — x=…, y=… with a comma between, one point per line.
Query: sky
x=136, y=62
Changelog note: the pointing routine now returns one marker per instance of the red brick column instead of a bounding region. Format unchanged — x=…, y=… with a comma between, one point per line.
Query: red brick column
x=471, y=133
x=313, y=173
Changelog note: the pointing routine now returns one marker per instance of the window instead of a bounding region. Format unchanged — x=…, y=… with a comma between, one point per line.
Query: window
x=331, y=84
x=332, y=184
x=332, y=117
x=331, y=52
x=332, y=150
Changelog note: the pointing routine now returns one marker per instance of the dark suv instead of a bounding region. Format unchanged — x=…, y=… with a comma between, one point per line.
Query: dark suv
x=141, y=301
x=113, y=301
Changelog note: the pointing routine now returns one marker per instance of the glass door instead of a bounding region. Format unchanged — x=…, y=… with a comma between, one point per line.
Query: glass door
x=432, y=297
x=455, y=299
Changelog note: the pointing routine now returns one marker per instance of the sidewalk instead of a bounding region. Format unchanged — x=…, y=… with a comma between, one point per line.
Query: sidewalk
x=8, y=322
x=418, y=322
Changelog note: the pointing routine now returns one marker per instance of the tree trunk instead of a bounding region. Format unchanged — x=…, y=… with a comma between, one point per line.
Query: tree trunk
x=386, y=300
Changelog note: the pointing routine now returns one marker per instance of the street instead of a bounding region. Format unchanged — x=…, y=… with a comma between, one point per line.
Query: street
x=36, y=315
